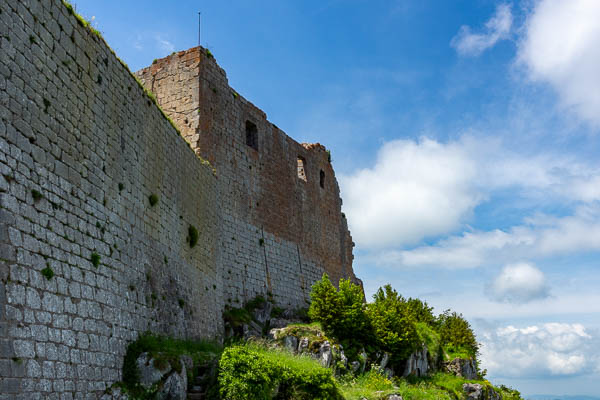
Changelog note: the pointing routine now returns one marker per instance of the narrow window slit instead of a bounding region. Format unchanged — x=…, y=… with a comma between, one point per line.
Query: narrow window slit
x=301, y=168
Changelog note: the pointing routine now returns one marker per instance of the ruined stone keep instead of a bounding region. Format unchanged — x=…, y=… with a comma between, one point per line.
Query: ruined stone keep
x=115, y=220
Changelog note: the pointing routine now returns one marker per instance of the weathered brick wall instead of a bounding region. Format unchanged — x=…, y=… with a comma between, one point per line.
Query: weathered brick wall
x=77, y=128
x=262, y=199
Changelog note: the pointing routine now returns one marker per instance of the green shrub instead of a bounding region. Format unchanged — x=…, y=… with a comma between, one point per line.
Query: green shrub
x=153, y=199
x=419, y=311
x=95, y=258
x=48, y=272
x=192, y=236
x=456, y=335
x=251, y=372
x=394, y=330
x=37, y=196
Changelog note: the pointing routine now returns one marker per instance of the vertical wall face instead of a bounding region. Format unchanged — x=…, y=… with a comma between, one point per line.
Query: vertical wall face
x=82, y=149
x=282, y=225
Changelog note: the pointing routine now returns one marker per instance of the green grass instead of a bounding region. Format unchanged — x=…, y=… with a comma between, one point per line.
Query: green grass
x=371, y=385
x=251, y=371
x=429, y=336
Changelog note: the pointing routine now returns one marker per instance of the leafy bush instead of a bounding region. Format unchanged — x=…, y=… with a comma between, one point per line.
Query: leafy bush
x=456, y=335
x=394, y=330
x=419, y=311
x=341, y=313
x=251, y=372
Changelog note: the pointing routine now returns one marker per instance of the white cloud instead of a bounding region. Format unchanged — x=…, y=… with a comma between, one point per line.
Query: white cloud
x=561, y=46
x=552, y=349
x=415, y=189
x=423, y=189
x=497, y=28
x=519, y=283
x=541, y=236
x=164, y=45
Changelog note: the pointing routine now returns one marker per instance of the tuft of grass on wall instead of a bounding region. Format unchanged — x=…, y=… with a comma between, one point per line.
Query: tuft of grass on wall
x=95, y=259
x=153, y=199
x=193, y=236
x=48, y=272
x=37, y=196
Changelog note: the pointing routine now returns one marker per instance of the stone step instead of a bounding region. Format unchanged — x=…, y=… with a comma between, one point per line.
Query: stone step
x=196, y=389
x=195, y=396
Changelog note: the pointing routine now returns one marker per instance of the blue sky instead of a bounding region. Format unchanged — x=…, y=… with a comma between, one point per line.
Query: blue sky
x=465, y=138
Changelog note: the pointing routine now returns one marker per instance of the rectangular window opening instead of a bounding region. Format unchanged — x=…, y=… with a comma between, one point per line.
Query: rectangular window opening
x=251, y=135
x=322, y=179
x=301, y=168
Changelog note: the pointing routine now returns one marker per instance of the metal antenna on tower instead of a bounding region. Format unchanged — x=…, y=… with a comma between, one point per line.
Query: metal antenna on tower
x=199, y=13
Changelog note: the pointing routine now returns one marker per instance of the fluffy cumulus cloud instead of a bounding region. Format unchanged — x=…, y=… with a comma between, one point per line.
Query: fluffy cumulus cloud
x=415, y=189
x=497, y=28
x=423, y=189
x=561, y=46
x=548, y=350
x=519, y=283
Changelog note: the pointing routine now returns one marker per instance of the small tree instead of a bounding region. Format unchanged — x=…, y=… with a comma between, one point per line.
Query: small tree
x=393, y=327
x=456, y=334
x=341, y=313
x=420, y=311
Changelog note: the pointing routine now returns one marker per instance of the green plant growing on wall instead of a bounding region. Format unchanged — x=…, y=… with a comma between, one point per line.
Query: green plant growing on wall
x=46, y=105
x=193, y=236
x=47, y=272
x=95, y=258
x=261, y=241
x=37, y=196
x=121, y=186
x=329, y=156
x=209, y=54
x=181, y=302
x=153, y=199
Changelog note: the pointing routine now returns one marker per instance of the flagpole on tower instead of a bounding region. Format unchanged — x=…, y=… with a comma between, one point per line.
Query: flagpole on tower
x=199, y=14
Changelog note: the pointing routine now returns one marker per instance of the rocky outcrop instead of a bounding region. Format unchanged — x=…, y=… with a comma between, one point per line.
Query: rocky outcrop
x=463, y=367
x=418, y=363
x=476, y=391
x=169, y=381
x=311, y=341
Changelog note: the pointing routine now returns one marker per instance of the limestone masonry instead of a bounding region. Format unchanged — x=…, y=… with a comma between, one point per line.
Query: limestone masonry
x=112, y=223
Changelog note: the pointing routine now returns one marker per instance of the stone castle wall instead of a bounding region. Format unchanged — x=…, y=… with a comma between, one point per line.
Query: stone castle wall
x=280, y=229
x=82, y=148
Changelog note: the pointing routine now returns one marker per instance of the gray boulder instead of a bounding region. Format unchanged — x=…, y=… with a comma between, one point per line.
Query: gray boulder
x=175, y=387
x=303, y=345
x=325, y=354
x=291, y=343
x=418, y=363
x=263, y=313
x=394, y=397
x=149, y=373
x=476, y=391
x=251, y=329
x=464, y=367
x=171, y=384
